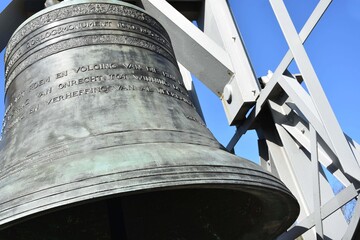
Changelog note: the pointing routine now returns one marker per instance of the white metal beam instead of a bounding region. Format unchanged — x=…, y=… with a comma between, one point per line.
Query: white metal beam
x=323, y=107
x=302, y=167
x=193, y=49
x=330, y=207
x=316, y=184
x=264, y=94
x=303, y=104
x=282, y=159
x=303, y=35
x=189, y=85
x=218, y=24
x=297, y=126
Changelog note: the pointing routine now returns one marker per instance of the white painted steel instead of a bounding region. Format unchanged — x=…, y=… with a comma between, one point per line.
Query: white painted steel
x=285, y=62
x=218, y=24
x=324, y=120
x=189, y=85
x=299, y=164
x=197, y=52
x=329, y=208
x=302, y=103
x=346, y=157
x=316, y=183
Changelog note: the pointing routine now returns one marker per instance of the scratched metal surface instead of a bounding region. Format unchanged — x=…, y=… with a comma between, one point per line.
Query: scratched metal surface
x=96, y=107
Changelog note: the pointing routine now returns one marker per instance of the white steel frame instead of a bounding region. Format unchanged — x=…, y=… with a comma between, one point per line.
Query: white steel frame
x=303, y=134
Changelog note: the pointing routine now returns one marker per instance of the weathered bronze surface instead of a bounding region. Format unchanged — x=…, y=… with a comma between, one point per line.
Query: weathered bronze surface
x=99, y=132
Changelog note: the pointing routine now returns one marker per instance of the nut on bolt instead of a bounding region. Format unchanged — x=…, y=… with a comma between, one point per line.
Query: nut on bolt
x=227, y=94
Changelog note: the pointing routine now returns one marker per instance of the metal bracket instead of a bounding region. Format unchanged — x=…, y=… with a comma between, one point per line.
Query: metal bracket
x=285, y=62
x=216, y=56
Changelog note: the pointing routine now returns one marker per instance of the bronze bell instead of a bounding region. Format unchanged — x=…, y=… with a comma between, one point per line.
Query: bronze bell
x=101, y=140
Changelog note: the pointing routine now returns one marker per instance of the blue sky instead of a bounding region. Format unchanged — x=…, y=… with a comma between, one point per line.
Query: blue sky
x=333, y=48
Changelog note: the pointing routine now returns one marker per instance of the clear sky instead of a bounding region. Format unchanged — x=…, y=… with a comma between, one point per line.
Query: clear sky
x=333, y=48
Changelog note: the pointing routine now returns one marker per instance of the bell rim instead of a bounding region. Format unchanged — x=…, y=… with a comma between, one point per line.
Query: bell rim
x=163, y=177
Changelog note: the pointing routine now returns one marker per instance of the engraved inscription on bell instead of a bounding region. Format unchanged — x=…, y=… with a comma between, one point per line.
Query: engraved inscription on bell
x=97, y=116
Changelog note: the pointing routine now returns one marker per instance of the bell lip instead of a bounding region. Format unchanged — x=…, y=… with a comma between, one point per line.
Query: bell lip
x=148, y=169
x=286, y=197
x=293, y=205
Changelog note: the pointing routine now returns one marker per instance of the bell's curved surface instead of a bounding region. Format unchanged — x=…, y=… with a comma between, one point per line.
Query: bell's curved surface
x=101, y=140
